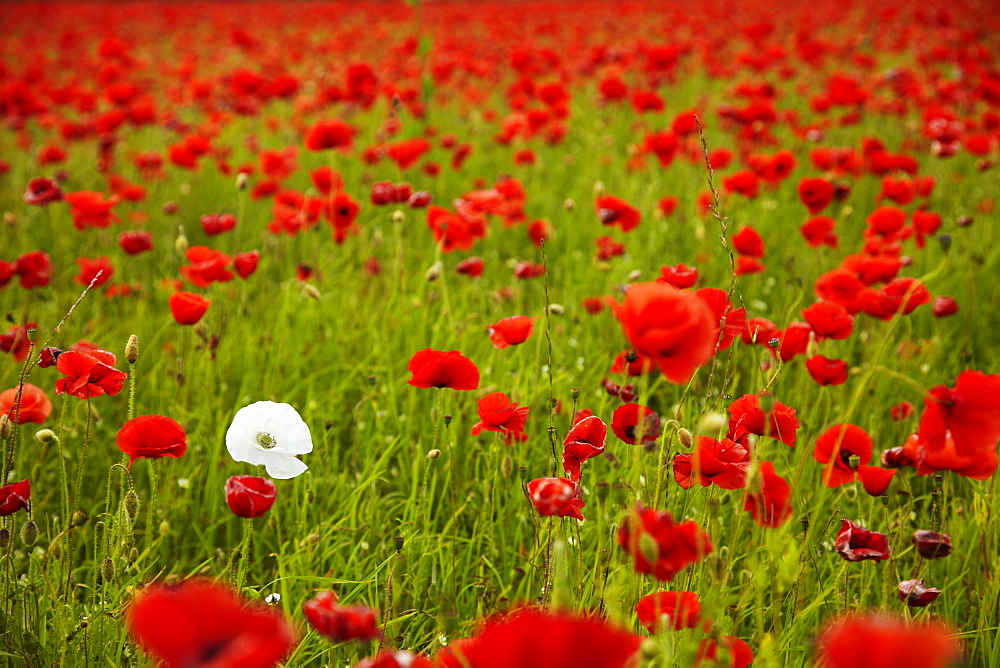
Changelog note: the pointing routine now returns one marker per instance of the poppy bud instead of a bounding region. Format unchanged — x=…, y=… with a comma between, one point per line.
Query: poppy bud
x=311, y=290
x=133, y=555
x=29, y=533
x=447, y=420
x=602, y=489
x=46, y=436
x=556, y=309
x=964, y=221
x=5, y=428
x=181, y=243
x=132, y=504
x=569, y=204
x=398, y=216
x=685, y=437
x=80, y=518
x=507, y=467
x=634, y=275
x=108, y=570
x=434, y=272
x=649, y=649
x=398, y=542
x=598, y=188
x=132, y=349
x=4, y=538
x=164, y=529
x=242, y=180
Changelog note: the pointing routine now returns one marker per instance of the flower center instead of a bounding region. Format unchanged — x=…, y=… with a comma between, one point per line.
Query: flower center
x=265, y=440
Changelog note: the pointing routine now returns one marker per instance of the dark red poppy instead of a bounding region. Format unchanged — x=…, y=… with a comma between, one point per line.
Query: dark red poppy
x=42, y=191
x=614, y=211
x=632, y=363
x=437, y=368
x=187, y=307
x=498, y=413
x=341, y=213
x=815, y=193
x=201, y=623
x=89, y=374
x=740, y=654
x=511, y=331
x=669, y=610
x=944, y=307
x=152, y=437
x=471, y=266
x=14, y=497
x=559, y=497
x=525, y=269
x=34, y=269
x=659, y=545
x=585, y=440
x=679, y=275
x=245, y=264
x=633, y=424
x=916, y=594
x=931, y=544
x=137, y=242
x=341, y=623
x=826, y=371
x=856, y=543
x=875, y=479
x=673, y=327
x=748, y=416
x=217, y=223
x=836, y=446
x=724, y=463
x=829, y=320
x=748, y=242
x=90, y=209
x=326, y=134
x=32, y=406
x=771, y=506
x=880, y=641
x=250, y=496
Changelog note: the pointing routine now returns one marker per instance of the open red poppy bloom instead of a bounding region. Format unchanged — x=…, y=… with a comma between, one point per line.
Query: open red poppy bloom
x=407, y=152
x=90, y=209
x=333, y=133
x=632, y=363
x=829, y=320
x=207, y=266
x=674, y=546
x=673, y=327
x=819, y=231
x=748, y=417
x=634, y=423
x=556, y=496
x=511, y=331
x=152, y=437
x=89, y=374
x=187, y=307
x=33, y=406
x=669, y=610
x=16, y=342
x=437, y=368
x=931, y=544
x=471, y=266
x=498, y=413
x=875, y=479
x=246, y=263
x=341, y=623
x=916, y=594
x=201, y=623
x=98, y=270
x=42, y=191
x=531, y=637
x=614, y=211
x=815, y=193
x=856, y=543
x=724, y=463
x=585, y=440
x=836, y=446
x=217, y=223
x=679, y=275
x=748, y=242
x=452, y=230
x=14, y=497
x=880, y=641
x=249, y=495
x=732, y=321
x=770, y=507
x=136, y=242
x=826, y=371
x=34, y=269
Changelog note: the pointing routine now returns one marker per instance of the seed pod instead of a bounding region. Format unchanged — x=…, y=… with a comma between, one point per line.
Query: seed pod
x=507, y=467
x=434, y=454
x=132, y=349
x=132, y=504
x=80, y=518
x=29, y=533
x=5, y=429
x=4, y=538
x=108, y=570
x=164, y=529
x=685, y=437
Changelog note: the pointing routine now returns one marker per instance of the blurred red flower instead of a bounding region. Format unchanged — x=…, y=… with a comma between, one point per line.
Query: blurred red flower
x=89, y=374
x=631, y=363
x=748, y=416
x=826, y=371
x=679, y=275
x=511, y=331
x=748, y=242
x=880, y=641
x=250, y=496
x=33, y=406
x=771, y=505
x=829, y=320
x=245, y=264
x=217, y=223
x=614, y=211
x=91, y=267
x=740, y=654
x=90, y=209
x=498, y=413
x=558, y=497
x=42, y=191
x=437, y=368
x=34, y=269
x=326, y=134
x=659, y=545
x=207, y=266
x=471, y=266
x=875, y=479
x=136, y=242
x=669, y=610
x=815, y=193
x=340, y=623
x=187, y=307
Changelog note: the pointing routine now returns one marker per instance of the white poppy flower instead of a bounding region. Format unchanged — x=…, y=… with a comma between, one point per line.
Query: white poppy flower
x=270, y=434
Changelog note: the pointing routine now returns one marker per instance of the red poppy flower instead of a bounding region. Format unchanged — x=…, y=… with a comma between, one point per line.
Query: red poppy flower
x=14, y=497
x=559, y=497
x=452, y=231
x=33, y=405
x=815, y=193
x=250, y=496
x=632, y=363
x=748, y=265
x=390, y=659
x=836, y=446
x=585, y=440
x=525, y=269
x=471, y=266
x=931, y=544
x=793, y=340
x=15, y=341
x=188, y=307
x=90, y=209
x=673, y=327
x=341, y=623
x=758, y=331
x=341, y=212
x=880, y=641
x=740, y=654
x=245, y=264
x=903, y=295
x=875, y=479
x=608, y=248
x=407, y=152
x=725, y=463
x=152, y=437
x=819, y=231
x=633, y=424
x=89, y=374
x=217, y=223
x=98, y=270
x=944, y=307
x=437, y=368
x=856, y=543
x=916, y=594
x=531, y=637
x=207, y=266
x=200, y=623
x=511, y=331
x=826, y=371
x=829, y=320
x=134, y=243
x=886, y=222
x=498, y=413
x=663, y=144
x=669, y=610
x=326, y=134
x=679, y=275
x=747, y=416
x=743, y=182
x=748, y=242
x=614, y=211
x=959, y=428
x=731, y=320
x=667, y=206
x=34, y=269
x=42, y=191
x=659, y=545
x=902, y=410
x=771, y=506
x=6, y=273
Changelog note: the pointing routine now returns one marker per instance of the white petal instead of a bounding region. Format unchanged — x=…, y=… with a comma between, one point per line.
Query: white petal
x=281, y=421
x=282, y=466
